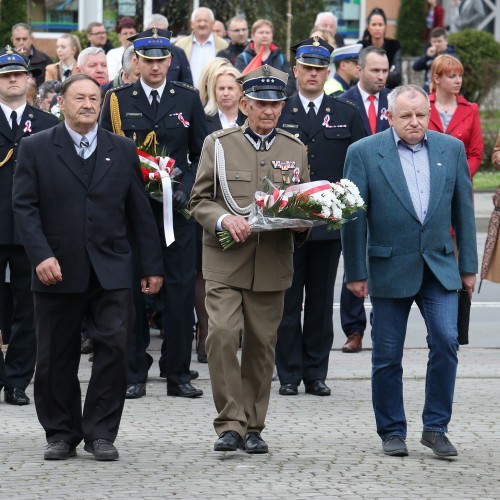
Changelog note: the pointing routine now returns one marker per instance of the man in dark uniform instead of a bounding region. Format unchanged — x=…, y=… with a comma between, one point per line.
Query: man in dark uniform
x=328, y=127
x=17, y=120
x=346, y=69
x=174, y=113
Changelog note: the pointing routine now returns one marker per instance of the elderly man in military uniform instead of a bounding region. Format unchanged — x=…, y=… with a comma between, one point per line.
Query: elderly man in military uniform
x=172, y=115
x=328, y=127
x=246, y=284
x=17, y=120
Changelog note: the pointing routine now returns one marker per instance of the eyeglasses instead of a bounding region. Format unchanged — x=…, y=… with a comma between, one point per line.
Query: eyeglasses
x=242, y=30
x=99, y=33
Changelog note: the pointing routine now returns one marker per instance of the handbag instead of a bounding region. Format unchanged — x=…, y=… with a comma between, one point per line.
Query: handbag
x=463, y=316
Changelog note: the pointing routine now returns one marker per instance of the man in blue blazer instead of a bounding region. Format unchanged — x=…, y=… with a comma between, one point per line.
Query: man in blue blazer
x=416, y=185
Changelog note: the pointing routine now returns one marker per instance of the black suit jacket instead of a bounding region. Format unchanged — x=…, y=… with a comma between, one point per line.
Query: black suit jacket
x=58, y=216
x=32, y=121
x=337, y=125
x=214, y=123
x=179, y=69
x=180, y=127
x=353, y=96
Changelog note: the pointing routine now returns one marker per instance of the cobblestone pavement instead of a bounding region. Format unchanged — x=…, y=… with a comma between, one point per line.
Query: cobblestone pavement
x=319, y=447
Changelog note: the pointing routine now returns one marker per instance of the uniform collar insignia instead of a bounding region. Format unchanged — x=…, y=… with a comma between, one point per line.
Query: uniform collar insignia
x=257, y=142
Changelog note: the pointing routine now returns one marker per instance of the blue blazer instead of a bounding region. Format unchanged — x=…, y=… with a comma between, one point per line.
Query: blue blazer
x=353, y=96
x=387, y=244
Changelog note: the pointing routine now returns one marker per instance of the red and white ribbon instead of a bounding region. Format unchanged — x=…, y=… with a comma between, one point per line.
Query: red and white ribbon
x=27, y=126
x=163, y=165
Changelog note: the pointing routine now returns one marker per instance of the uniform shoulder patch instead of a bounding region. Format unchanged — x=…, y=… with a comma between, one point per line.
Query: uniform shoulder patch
x=185, y=86
x=223, y=132
x=120, y=87
x=287, y=134
x=345, y=101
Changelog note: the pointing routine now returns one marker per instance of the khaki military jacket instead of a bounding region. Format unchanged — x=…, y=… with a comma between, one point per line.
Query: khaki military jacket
x=265, y=261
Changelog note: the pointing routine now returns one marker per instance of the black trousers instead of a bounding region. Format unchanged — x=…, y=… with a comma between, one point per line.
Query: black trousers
x=302, y=353
x=58, y=319
x=352, y=312
x=19, y=365
x=179, y=261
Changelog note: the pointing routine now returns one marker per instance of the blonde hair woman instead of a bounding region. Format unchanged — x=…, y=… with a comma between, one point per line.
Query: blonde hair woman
x=67, y=49
x=210, y=68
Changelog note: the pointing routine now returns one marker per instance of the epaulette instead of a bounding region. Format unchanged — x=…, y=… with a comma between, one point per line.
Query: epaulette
x=185, y=86
x=346, y=101
x=287, y=134
x=223, y=132
x=120, y=87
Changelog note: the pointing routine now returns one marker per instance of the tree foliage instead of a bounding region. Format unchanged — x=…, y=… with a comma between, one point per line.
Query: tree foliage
x=303, y=15
x=479, y=53
x=411, y=26
x=11, y=12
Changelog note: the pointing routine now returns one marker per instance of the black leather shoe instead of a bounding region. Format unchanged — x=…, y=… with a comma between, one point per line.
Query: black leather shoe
x=288, y=390
x=255, y=444
x=395, y=446
x=438, y=443
x=318, y=388
x=102, y=449
x=228, y=441
x=184, y=391
x=59, y=450
x=135, y=391
x=194, y=374
x=16, y=396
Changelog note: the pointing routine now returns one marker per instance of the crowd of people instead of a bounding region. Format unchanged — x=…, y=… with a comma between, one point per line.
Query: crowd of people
x=226, y=104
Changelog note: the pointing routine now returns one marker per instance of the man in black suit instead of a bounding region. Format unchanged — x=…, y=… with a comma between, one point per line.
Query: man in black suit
x=75, y=205
x=173, y=114
x=17, y=121
x=328, y=127
x=370, y=96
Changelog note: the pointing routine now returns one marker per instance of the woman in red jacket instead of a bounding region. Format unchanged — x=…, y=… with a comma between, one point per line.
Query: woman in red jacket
x=453, y=114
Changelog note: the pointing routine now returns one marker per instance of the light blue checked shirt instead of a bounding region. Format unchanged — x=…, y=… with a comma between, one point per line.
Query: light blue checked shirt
x=415, y=163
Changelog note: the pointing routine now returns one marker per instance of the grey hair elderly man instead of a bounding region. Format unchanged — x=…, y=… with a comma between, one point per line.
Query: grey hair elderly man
x=202, y=45
x=92, y=62
x=326, y=21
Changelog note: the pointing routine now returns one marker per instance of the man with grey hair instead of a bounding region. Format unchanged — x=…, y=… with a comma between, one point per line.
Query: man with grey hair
x=202, y=45
x=22, y=40
x=92, y=62
x=129, y=72
x=179, y=70
x=326, y=21
x=237, y=28
x=417, y=185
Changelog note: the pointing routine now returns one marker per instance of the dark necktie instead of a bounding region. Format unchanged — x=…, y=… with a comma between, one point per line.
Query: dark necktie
x=311, y=113
x=372, y=114
x=15, y=126
x=84, y=148
x=67, y=73
x=154, y=101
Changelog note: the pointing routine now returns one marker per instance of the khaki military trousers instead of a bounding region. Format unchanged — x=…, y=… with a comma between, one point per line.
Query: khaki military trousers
x=241, y=392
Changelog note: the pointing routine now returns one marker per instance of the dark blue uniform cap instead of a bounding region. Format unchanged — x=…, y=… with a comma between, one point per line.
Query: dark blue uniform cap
x=11, y=61
x=313, y=52
x=152, y=44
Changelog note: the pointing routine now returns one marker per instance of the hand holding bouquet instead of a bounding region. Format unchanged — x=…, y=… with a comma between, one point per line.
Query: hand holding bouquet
x=301, y=205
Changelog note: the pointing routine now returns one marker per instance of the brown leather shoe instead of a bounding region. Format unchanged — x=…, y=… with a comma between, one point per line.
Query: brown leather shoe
x=353, y=343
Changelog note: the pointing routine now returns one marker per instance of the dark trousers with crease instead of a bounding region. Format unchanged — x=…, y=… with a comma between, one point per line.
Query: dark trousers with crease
x=302, y=353
x=179, y=260
x=58, y=319
x=19, y=365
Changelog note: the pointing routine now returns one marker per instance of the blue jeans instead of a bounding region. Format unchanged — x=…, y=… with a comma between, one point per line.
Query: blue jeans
x=439, y=308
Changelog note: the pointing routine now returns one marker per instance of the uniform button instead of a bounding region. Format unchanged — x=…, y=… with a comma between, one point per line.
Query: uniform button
x=157, y=126
x=262, y=163
x=313, y=140
x=313, y=156
x=237, y=176
x=313, y=173
x=16, y=144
